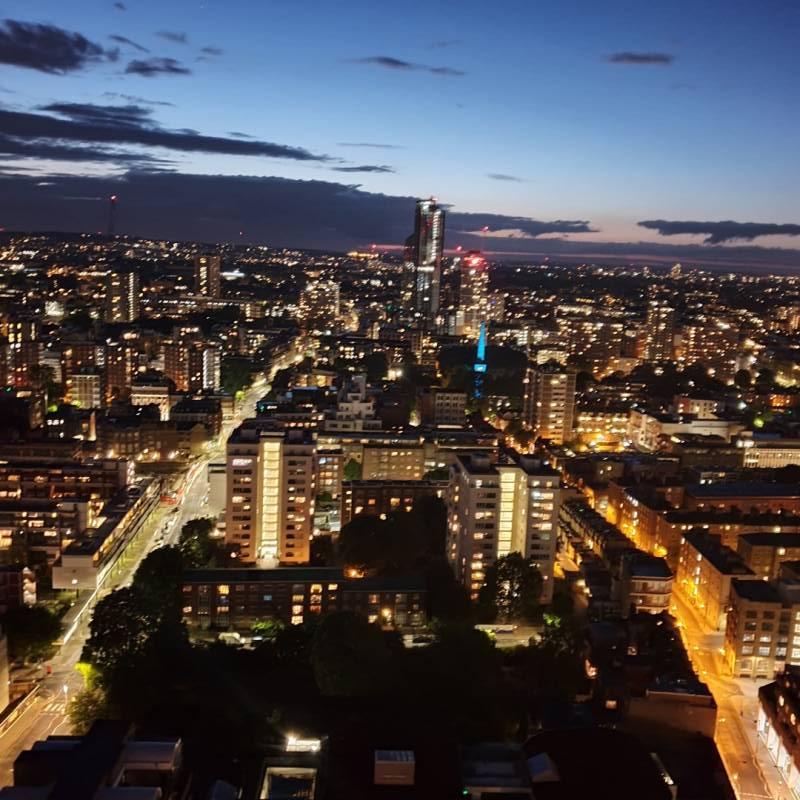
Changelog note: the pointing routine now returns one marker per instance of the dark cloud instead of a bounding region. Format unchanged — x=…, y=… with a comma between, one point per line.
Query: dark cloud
x=239, y=135
x=12, y=149
x=316, y=214
x=376, y=145
x=131, y=125
x=150, y=67
x=212, y=51
x=47, y=48
x=176, y=37
x=120, y=6
x=365, y=168
x=628, y=57
x=132, y=98
x=724, y=231
x=389, y=62
x=500, y=176
x=490, y=225
x=125, y=40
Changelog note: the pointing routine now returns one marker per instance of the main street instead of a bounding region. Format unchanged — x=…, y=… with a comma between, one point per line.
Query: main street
x=752, y=773
x=45, y=712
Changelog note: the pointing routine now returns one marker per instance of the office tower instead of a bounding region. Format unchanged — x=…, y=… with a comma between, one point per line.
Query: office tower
x=206, y=275
x=122, y=296
x=659, y=331
x=499, y=508
x=424, y=250
x=473, y=297
x=550, y=401
x=271, y=491
x=319, y=305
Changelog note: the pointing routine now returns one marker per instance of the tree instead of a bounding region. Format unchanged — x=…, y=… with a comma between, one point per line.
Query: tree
x=267, y=629
x=352, y=470
x=119, y=631
x=349, y=656
x=236, y=374
x=31, y=631
x=158, y=580
x=512, y=588
x=87, y=707
x=742, y=379
x=195, y=543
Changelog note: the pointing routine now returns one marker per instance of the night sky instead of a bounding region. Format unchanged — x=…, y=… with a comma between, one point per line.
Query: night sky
x=562, y=126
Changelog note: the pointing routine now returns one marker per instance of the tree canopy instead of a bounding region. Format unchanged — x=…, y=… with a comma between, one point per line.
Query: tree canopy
x=512, y=589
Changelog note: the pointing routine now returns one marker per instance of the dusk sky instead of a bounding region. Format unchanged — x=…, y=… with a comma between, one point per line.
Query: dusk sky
x=598, y=116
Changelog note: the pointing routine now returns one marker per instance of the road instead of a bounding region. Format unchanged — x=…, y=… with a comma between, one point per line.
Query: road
x=46, y=714
x=752, y=773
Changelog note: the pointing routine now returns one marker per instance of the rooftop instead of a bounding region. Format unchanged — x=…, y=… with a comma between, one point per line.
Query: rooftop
x=722, y=558
x=756, y=591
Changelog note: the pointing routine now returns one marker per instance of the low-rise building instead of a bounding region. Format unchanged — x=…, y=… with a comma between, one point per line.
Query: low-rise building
x=778, y=725
x=706, y=568
x=765, y=552
x=235, y=598
x=438, y=406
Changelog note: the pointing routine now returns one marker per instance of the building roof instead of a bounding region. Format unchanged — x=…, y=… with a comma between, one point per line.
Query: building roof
x=645, y=565
x=756, y=591
x=720, y=556
x=767, y=539
x=743, y=489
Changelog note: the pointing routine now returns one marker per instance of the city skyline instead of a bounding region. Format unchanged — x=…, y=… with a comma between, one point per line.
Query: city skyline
x=605, y=134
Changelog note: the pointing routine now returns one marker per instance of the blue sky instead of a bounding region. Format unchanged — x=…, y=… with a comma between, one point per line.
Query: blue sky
x=711, y=135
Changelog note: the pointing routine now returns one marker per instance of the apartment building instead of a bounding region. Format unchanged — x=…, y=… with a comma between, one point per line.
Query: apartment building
x=778, y=725
x=549, y=408
x=380, y=498
x=270, y=493
x=706, y=568
x=765, y=552
x=439, y=406
x=498, y=508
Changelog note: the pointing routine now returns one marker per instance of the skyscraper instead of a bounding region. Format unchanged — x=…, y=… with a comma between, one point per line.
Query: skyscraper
x=550, y=401
x=473, y=300
x=122, y=296
x=206, y=275
x=424, y=250
x=659, y=331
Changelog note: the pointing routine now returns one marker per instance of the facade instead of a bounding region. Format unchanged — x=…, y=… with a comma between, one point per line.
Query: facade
x=424, y=249
x=207, y=275
x=270, y=493
x=659, y=332
x=550, y=402
x=235, y=598
x=778, y=725
x=146, y=393
x=762, y=633
x=765, y=552
x=473, y=298
x=85, y=388
x=498, y=508
x=645, y=584
x=763, y=453
x=439, y=406
x=706, y=568
x=122, y=296
x=381, y=498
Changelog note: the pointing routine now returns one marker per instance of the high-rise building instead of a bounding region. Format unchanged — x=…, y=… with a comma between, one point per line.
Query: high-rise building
x=192, y=366
x=499, y=508
x=206, y=275
x=85, y=388
x=659, y=332
x=550, y=401
x=122, y=296
x=119, y=367
x=271, y=491
x=424, y=250
x=319, y=305
x=473, y=298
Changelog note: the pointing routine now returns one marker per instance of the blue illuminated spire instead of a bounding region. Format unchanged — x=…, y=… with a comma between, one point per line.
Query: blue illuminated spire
x=479, y=367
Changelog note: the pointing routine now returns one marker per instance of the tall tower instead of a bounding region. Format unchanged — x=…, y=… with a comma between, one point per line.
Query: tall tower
x=424, y=250
x=473, y=297
x=122, y=296
x=659, y=332
x=550, y=401
x=206, y=275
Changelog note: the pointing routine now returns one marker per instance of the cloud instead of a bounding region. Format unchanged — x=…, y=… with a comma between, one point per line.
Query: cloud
x=627, y=57
x=212, y=51
x=176, y=37
x=120, y=6
x=724, y=231
x=47, y=48
x=365, y=168
x=376, y=145
x=239, y=135
x=389, y=62
x=500, y=176
x=85, y=123
x=12, y=148
x=132, y=98
x=125, y=40
x=150, y=67
x=506, y=227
